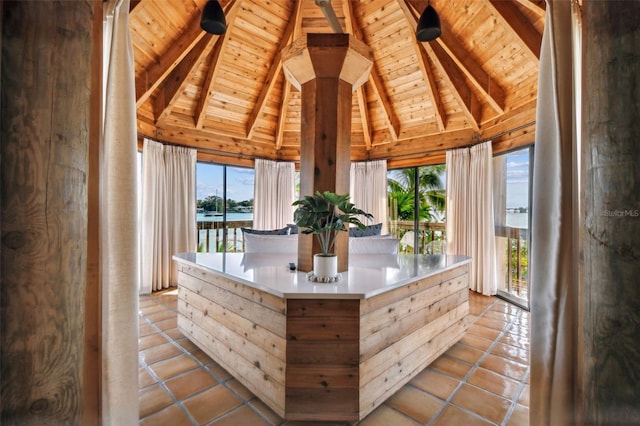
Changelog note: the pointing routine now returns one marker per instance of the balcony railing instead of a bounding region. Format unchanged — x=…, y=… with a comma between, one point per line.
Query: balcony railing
x=516, y=255
x=431, y=236
x=211, y=235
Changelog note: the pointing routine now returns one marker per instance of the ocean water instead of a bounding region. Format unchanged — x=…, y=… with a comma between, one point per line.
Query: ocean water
x=200, y=217
x=518, y=220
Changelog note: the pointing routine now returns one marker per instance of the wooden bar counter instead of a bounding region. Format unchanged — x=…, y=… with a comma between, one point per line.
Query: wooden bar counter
x=328, y=352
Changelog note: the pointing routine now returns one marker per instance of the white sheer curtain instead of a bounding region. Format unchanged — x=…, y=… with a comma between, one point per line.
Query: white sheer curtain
x=274, y=194
x=168, y=223
x=368, y=190
x=555, y=226
x=470, y=223
x=118, y=224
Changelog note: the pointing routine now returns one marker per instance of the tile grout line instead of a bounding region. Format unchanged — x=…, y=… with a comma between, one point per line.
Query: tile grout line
x=474, y=367
x=161, y=382
x=201, y=365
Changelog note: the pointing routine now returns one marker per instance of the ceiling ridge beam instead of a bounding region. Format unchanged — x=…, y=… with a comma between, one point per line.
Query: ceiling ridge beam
x=221, y=43
x=274, y=72
x=175, y=84
x=423, y=63
x=519, y=25
x=360, y=91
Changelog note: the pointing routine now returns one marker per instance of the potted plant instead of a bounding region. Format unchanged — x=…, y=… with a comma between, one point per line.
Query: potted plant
x=325, y=214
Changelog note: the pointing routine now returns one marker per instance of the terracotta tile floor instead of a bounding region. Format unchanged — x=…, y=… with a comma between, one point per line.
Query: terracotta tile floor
x=482, y=380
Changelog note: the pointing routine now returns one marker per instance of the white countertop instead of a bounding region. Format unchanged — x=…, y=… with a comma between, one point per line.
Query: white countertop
x=368, y=274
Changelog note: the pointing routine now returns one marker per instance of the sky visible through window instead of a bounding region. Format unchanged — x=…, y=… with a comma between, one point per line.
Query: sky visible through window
x=240, y=182
x=517, y=165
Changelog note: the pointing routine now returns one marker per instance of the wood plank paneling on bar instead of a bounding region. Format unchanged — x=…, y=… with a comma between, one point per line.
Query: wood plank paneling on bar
x=322, y=361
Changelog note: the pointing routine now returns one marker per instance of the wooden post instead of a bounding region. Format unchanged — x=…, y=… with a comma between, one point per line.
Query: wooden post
x=327, y=68
x=46, y=124
x=610, y=299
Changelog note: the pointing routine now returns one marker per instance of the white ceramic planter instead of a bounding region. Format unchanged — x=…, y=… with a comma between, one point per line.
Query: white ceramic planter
x=325, y=266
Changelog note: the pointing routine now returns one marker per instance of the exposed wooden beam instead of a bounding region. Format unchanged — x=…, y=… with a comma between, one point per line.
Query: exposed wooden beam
x=284, y=106
x=149, y=80
x=207, y=90
x=423, y=64
x=377, y=86
x=274, y=72
x=520, y=25
x=360, y=91
x=175, y=84
x=538, y=7
x=489, y=87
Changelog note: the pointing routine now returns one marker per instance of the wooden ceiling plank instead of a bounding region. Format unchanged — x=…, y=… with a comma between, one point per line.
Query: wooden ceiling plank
x=456, y=82
x=149, y=80
x=378, y=88
x=175, y=84
x=360, y=93
x=274, y=72
x=284, y=105
x=520, y=25
x=490, y=89
x=207, y=89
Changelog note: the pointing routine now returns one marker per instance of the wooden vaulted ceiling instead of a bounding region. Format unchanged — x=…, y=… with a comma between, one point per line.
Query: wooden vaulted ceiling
x=227, y=95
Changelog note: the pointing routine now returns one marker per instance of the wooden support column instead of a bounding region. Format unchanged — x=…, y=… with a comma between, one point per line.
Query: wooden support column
x=326, y=68
x=50, y=99
x=610, y=300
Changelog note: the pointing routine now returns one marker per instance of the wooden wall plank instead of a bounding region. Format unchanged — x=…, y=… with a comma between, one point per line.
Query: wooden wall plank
x=322, y=359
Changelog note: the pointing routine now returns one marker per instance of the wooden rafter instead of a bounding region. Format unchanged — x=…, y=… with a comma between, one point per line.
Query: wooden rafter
x=539, y=7
x=423, y=64
x=284, y=107
x=489, y=87
x=450, y=72
x=149, y=80
x=379, y=92
x=360, y=91
x=175, y=84
x=520, y=25
x=274, y=72
x=456, y=82
x=286, y=86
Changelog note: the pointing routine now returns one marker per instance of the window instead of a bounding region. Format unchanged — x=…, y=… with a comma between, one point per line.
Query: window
x=224, y=206
x=416, y=208
x=512, y=180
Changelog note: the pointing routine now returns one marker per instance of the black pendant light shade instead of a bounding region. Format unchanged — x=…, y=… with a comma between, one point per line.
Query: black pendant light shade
x=429, y=25
x=213, y=20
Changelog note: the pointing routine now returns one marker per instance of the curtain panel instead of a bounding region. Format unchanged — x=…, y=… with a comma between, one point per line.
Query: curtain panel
x=274, y=193
x=555, y=225
x=368, y=190
x=168, y=217
x=470, y=214
x=118, y=223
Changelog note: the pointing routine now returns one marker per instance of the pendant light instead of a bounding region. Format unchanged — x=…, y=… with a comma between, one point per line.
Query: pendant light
x=212, y=20
x=429, y=25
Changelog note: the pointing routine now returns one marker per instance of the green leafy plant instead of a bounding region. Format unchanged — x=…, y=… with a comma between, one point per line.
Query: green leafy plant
x=325, y=214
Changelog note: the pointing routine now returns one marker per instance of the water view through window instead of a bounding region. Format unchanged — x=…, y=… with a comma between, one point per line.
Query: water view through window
x=511, y=208
x=224, y=205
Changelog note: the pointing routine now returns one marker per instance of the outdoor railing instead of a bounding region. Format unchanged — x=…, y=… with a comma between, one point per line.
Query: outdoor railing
x=211, y=235
x=517, y=273
x=431, y=236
